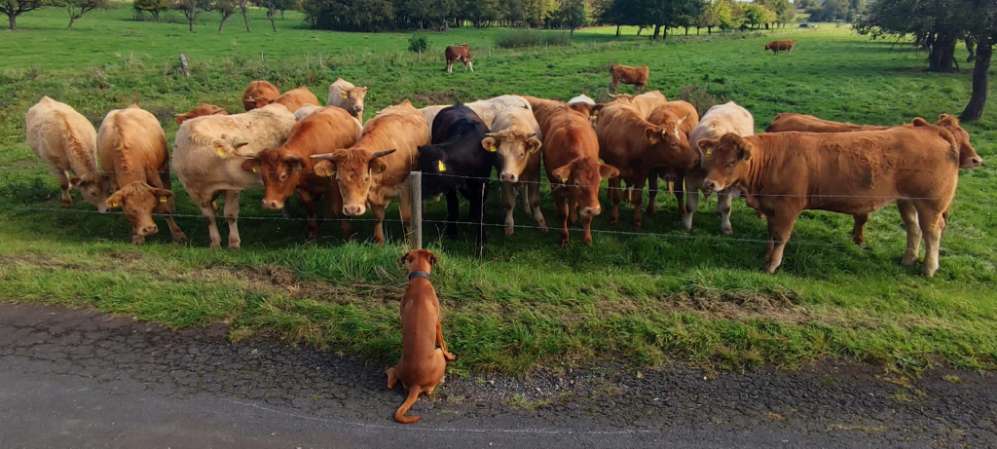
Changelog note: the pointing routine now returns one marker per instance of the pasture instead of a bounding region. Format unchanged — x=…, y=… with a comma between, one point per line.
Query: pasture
x=645, y=298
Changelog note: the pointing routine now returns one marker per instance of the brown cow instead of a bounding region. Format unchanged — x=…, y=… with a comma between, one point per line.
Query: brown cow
x=636, y=76
x=131, y=151
x=289, y=168
x=783, y=45
x=296, y=98
x=376, y=167
x=782, y=174
x=680, y=118
x=460, y=53
x=636, y=146
x=259, y=93
x=571, y=157
x=200, y=110
x=785, y=121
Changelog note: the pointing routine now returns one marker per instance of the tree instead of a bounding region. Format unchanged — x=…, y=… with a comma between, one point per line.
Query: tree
x=226, y=8
x=756, y=15
x=14, y=8
x=190, y=10
x=153, y=7
x=77, y=8
x=572, y=14
x=982, y=30
x=244, y=11
x=783, y=9
x=934, y=24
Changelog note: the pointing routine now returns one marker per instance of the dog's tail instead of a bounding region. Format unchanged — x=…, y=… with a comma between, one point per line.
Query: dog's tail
x=413, y=395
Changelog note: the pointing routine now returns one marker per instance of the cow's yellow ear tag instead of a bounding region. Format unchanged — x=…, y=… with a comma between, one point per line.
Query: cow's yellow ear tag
x=256, y=170
x=220, y=150
x=709, y=153
x=441, y=167
x=492, y=148
x=162, y=199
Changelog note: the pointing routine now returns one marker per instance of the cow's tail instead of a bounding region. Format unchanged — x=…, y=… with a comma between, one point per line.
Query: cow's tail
x=400, y=414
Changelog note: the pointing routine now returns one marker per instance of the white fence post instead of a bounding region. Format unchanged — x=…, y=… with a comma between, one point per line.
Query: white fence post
x=415, y=180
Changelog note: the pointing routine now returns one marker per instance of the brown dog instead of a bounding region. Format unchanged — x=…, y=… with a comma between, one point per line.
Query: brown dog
x=423, y=364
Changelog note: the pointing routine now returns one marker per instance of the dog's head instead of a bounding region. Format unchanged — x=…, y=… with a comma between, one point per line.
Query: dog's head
x=418, y=260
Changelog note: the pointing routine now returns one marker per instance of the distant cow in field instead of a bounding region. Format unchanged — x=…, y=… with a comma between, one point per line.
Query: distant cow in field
x=259, y=93
x=571, y=158
x=461, y=53
x=198, y=111
x=67, y=142
x=131, y=148
x=637, y=147
x=209, y=153
x=456, y=162
x=344, y=94
x=635, y=76
x=289, y=168
x=645, y=102
x=294, y=99
x=856, y=173
x=376, y=168
x=782, y=45
x=716, y=122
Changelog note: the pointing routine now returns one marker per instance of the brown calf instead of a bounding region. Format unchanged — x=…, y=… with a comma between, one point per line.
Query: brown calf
x=259, y=93
x=783, y=174
x=461, y=53
x=636, y=76
x=789, y=121
x=571, y=157
x=289, y=168
x=200, y=110
x=424, y=351
x=296, y=98
x=783, y=45
x=131, y=150
x=678, y=118
x=376, y=167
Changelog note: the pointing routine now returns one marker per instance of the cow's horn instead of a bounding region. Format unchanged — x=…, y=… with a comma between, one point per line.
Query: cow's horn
x=382, y=153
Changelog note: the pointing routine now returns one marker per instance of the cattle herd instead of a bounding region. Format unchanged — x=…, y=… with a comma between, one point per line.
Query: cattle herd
x=293, y=145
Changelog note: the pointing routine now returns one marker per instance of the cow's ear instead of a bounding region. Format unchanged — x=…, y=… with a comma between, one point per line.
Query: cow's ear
x=607, y=171
x=324, y=169
x=948, y=120
x=562, y=173
x=180, y=118
x=744, y=150
x=653, y=134
x=74, y=181
x=114, y=201
x=489, y=144
x=402, y=260
x=377, y=166
x=533, y=145
x=251, y=165
x=920, y=122
x=162, y=195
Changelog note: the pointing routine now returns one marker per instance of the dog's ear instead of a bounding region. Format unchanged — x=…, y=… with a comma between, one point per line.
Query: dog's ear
x=432, y=260
x=403, y=259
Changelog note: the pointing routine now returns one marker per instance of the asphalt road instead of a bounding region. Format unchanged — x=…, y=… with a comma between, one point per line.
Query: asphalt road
x=79, y=379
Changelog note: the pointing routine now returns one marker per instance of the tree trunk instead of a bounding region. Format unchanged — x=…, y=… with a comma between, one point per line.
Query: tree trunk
x=941, y=56
x=12, y=22
x=970, y=48
x=984, y=50
x=709, y=30
x=617, y=30
x=657, y=32
x=245, y=19
x=72, y=19
x=221, y=24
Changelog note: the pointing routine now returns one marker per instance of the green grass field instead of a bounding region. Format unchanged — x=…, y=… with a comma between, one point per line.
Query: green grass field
x=527, y=303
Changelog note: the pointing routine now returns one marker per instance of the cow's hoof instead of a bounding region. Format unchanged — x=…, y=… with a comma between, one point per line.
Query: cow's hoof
x=234, y=245
x=771, y=269
x=508, y=231
x=727, y=231
x=180, y=238
x=215, y=245
x=908, y=261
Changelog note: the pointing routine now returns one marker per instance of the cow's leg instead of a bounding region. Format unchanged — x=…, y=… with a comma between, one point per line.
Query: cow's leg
x=533, y=192
x=65, y=197
x=615, y=197
x=563, y=206
x=691, y=203
x=453, y=212
x=679, y=191
x=636, y=201
x=780, y=226
x=909, y=215
x=587, y=226
x=858, y=236
x=931, y=222
x=336, y=206
x=468, y=65
x=477, y=200
x=232, y=217
x=652, y=192
x=208, y=210
x=509, y=192
x=724, y=200
x=378, y=210
x=449, y=66
x=405, y=212
x=161, y=179
x=311, y=212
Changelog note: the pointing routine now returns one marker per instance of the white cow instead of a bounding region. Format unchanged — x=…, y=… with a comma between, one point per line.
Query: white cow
x=344, y=94
x=209, y=157
x=486, y=109
x=67, y=142
x=719, y=120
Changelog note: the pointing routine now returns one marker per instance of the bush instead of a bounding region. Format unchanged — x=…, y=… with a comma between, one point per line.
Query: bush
x=417, y=44
x=530, y=38
x=700, y=97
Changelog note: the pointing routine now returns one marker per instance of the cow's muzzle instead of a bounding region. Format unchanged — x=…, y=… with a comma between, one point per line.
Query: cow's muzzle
x=273, y=204
x=712, y=186
x=354, y=210
x=508, y=177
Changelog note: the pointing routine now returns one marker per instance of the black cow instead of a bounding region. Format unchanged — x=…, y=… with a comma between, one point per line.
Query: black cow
x=456, y=161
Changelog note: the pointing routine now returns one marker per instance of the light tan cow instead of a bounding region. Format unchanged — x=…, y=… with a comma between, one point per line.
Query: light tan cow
x=344, y=94
x=718, y=120
x=516, y=137
x=294, y=99
x=376, y=168
x=206, y=159
x=487, y=109
x=67, y=142
x=131, y=148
